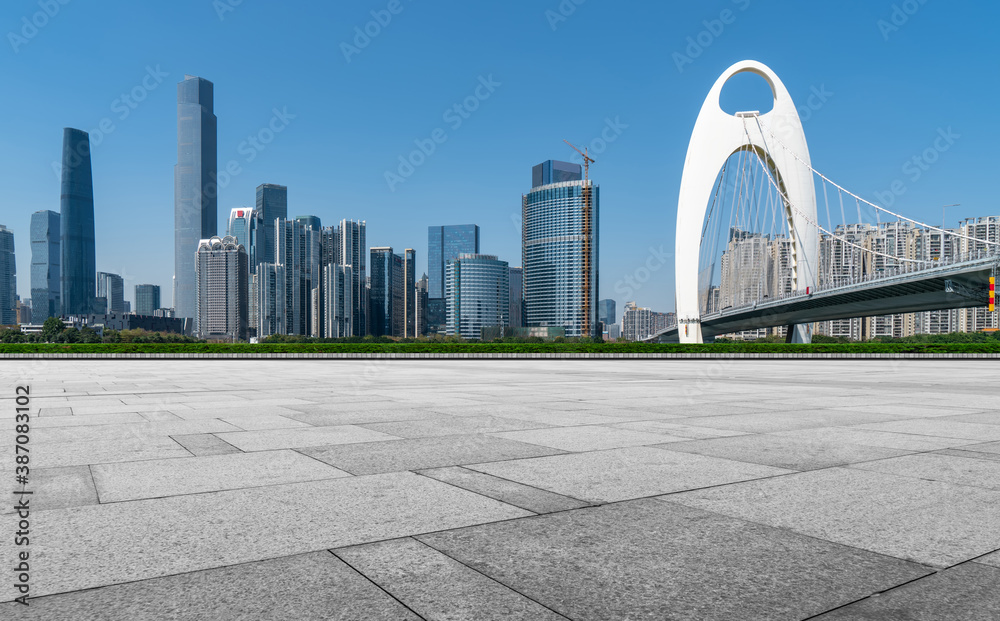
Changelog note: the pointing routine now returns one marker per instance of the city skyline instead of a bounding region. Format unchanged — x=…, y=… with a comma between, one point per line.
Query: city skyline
x=368, y=133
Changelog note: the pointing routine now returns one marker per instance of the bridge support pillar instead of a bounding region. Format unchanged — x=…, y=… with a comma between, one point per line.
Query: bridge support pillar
x=799, y=333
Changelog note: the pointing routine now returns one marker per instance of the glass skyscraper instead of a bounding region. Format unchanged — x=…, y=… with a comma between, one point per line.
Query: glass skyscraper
x=606, y=312
x=345, y=244
x=8, y=278
x=196, y=214
x=443, y=244
x=147, y=299
x=410, y=294
x=477, y=294
x=516, y=297
x=312, y=222
x=76, y=227
x=380, y=307
x=272, y=204
x=46, y=300
x=111, y=287
x=560, y=242
x=247, y=226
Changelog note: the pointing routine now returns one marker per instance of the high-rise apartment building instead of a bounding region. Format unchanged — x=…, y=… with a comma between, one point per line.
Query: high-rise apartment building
x=246, y=224
x=147, y=299
x=443, y=244
x=221, y=302
x=111, y=287
x=8, y=278
x=560, y=240
x=76, y=225
x=271, y=307
x=297, y=248
x=312, y=222
x=272, y=204
x=477, y=295
x=337, y=306
x=421, y=298
x=344, y=244
x=409, y=286
x=381, y=302
x=196, y=213
x=46, y=299
x=516, y=297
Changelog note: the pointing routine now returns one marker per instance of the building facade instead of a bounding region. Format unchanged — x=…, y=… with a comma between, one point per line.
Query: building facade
x=560, y=240
x=196, y=212
x=8, y=278
x=381, y=304
x=111, y=287
x=272, y=204
x=477, y=295
x=443, y=244
x=421, y=298
x=147, y=299
x=516, y=279
x=46, y=299
x=297, y=248
x=338, y=304
x=344, y=245
x=76, y=225
x=607, y=312
x=409, y=284
x=221, y=304
x=271, y=307
x=246, y=224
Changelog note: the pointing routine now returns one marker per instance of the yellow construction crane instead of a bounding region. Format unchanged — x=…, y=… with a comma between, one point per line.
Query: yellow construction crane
x=588, y=270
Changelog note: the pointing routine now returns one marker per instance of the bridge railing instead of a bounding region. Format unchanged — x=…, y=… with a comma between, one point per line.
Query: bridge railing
x=847, y=282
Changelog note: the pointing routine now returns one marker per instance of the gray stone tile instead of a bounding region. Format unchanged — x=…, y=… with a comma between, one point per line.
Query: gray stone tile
x=784, y=452
x=327, y=418
x=992, y=559
x=941, y=428
x=559, y=418
x=106, y=451
x=936, y=467
x=55, y=411
x=308, y=586
x=486, y=409
x=530, y=498
x=229, y=411
x=451, y=425
x=420, y=453
x=623, y=474
x=58, y=488
x=968, y=454
x=86, y=547
x=52, y=422
x=584, y=438
x=930, y=522
x=986, y=418
x=438, y=587
x=651, y=559
x=205, y=444
x=909, y=410
x=272, y=439
x=258, y=423
x=967, y=592
x=192, y=475
x=144, y=429
x=160, y=416
x=982, y=447
x=868, y=437
x=678, y=432
x=768, y=422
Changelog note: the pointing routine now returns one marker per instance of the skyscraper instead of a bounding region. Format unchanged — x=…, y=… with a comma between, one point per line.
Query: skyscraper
x=312, y=222
x=477, y=294
x=247, y=225
x=46, y=300
x=421, y=300
x=606, y=312
x=8, y=278
x=443, y=244
x=298, y=250
x=409, y=278
x=76, y=225
x=271, y=300
x=196, y=214
x=272, y=204
x=221, y=269
x=112, y=288
x=345, y=245
x=560, y=239
x=337, y=304
x=516, y=297
x=147, y=299
x=380, y=304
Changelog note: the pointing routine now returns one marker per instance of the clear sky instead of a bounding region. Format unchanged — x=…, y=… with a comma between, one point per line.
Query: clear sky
x=894, y=73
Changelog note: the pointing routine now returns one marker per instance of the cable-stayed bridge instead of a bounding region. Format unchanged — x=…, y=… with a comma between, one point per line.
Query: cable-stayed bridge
x=749, y=189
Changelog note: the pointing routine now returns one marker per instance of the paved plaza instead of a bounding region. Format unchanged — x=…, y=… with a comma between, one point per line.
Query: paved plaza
x=507, y=489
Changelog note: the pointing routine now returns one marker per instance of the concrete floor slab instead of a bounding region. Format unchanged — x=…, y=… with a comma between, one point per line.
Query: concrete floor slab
x=585, y=438
x=274, y=439
x=937, y=467
x=450, y=425
x=784, y=452
x=58, y=488
x=523, y=496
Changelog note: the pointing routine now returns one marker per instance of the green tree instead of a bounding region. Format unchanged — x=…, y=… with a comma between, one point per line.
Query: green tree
x=52, y=328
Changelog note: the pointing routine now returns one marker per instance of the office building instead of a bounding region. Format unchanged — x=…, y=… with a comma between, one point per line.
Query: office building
x=196, y=214
x=560, y=240
x=312, y=222
x=381, y=302
x=221, y=304
x=246, y=224
x=443, y=244
x=272, y=204
x=76, y=225
x=337, y=305
x=477, y=295
x=345, y=244
x=516, y=278
x=111, y=287
x=297, y=248
x=23, y=312
x=147, y=299
x=8, y=278
x=607, y=312
x=46, y=300
x=409, y=293
x=421, y=297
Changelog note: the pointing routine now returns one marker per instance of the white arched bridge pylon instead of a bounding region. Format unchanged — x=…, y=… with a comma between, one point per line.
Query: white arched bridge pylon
x=756, y=169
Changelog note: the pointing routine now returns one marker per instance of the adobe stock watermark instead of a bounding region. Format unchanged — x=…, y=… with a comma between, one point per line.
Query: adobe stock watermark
x=252, y=147
x=915, y=167
x=899, y=17
x=32, y=24
x=562, y=13
x=122, y=107
x=364, y=35
x=713, y=29
x=225, y=6
x=612, y=131
x=629, y=285
x=454, y=117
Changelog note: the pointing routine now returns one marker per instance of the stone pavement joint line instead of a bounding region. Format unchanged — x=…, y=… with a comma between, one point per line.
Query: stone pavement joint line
x=575, y=488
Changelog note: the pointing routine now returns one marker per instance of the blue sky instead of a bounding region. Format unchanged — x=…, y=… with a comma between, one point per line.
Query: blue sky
x=895, y=73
